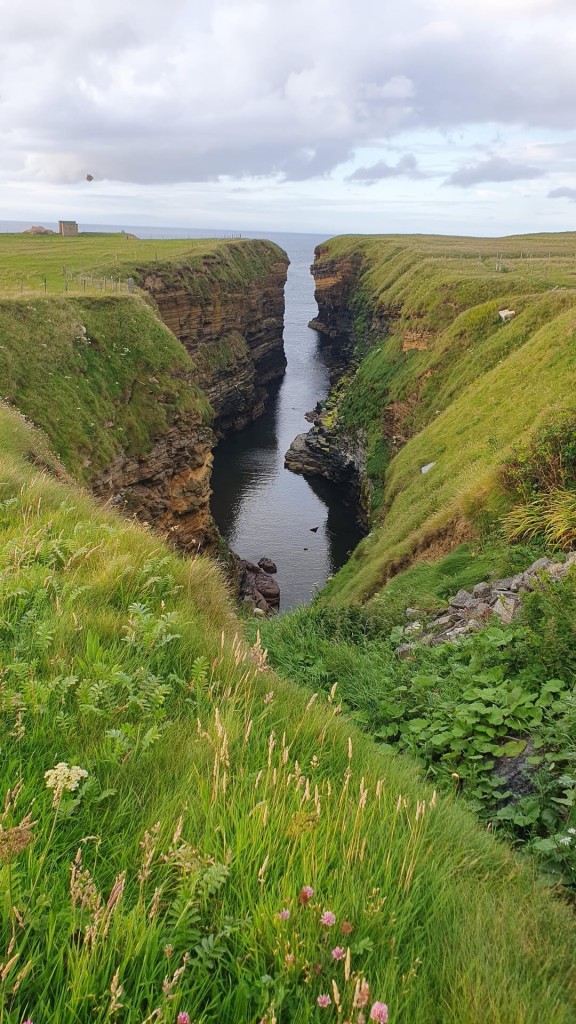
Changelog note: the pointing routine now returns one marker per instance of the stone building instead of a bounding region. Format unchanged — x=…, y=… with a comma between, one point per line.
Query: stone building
x=68, y=228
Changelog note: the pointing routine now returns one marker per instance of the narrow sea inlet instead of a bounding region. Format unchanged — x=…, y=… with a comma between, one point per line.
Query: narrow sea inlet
x=261, y=508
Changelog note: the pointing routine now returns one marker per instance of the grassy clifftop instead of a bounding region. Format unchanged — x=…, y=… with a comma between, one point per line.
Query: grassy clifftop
x=441, y=379
x=170, y=879
x=95, y=261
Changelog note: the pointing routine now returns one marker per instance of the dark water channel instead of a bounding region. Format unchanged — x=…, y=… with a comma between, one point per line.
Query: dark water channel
x=261, y=508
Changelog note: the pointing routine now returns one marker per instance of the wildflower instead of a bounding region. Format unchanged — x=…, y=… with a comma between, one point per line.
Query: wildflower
x=565, y=841
x=306, y=894
x=183, y=1018
x=64, y=777
x=346, y=927
x=338, y=953
x=572, y=831
x=379, y=1012
x=324, y=1000
x=328, y=918
x=284, y=914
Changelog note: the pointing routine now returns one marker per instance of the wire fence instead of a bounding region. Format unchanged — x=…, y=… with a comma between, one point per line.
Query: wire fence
x=69, y=284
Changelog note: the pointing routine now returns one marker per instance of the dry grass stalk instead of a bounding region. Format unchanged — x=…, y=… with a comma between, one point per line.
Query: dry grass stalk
x=116, y=990
x=15, y=839
x=148, y=846
x=169, y=984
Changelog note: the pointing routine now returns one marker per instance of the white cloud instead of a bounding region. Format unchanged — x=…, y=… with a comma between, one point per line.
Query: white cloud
x=158, y=92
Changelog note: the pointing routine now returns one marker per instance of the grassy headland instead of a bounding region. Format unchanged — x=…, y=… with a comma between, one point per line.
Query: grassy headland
x=93, y=261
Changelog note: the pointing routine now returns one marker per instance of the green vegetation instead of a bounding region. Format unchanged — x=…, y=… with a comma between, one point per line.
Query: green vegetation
x=95, y=262
x=98, y=371
x=122, y=659
x=186, y=835
x=451, y=373
x=100, y=375
x=501, y=702
x=439, y=379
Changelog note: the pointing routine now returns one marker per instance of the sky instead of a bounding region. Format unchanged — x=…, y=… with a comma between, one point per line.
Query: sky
x=452, y=116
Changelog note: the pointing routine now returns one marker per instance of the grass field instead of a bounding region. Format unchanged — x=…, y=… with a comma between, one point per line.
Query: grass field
x=90, y=262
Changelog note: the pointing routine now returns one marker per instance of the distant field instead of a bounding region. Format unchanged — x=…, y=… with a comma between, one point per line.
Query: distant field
x=90, y=262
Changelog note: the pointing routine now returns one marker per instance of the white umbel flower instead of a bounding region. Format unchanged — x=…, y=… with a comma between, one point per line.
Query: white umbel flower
x=64, y=778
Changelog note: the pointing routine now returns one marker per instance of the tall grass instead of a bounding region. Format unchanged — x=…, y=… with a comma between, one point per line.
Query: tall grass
x=171, y=879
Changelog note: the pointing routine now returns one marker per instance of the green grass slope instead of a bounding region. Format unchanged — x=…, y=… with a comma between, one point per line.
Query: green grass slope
x=98, y=374
x=213, y=793
x=473, y=388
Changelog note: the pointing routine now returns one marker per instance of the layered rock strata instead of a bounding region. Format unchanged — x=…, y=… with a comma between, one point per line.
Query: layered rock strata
x=168, y=488
x=231, y=324
x=228, y=313
x=334, y=280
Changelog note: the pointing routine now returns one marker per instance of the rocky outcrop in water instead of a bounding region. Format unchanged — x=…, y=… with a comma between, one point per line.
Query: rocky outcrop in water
x=318, y=452
x=258, y=588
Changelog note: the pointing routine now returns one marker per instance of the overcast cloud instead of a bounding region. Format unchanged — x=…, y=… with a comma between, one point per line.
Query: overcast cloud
x=158, y=94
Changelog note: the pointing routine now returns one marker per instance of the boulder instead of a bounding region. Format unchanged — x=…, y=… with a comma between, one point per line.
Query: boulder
x=268, y=588
x=463, y=600
x=506, y=607
x=267, y=565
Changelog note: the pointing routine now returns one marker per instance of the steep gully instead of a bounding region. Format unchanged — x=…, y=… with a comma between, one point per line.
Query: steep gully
x=234, y=335
x=308, y=526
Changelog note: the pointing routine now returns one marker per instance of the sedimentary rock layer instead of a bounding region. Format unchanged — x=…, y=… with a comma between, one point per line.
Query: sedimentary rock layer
x=229, y=315
x=169, y=487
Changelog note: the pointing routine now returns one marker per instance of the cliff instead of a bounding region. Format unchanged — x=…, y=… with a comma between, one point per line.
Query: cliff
x=130, y=403
x=228, y=312
x=426, y=406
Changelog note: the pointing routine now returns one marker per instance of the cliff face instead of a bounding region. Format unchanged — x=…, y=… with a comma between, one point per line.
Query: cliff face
x=133, y=408
x=230, y=323
x=169, y=488
x=335, y=280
